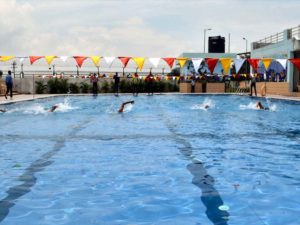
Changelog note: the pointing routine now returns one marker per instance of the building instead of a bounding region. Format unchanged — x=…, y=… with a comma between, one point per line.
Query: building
x=283, y=45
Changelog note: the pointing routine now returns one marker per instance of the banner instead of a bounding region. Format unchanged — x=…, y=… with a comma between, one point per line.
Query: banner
x=238, y=63
x=282, y=62
x=226, y=62
x=296, y=63
x=49, y=59
x=124, y=60
x=32, y=59
x=95, y=59
x=79, y=60
x=109, y=60
x=139, y=62
x=169, y=61
x=211, y=63
x=182, y=61
x=254, y=63
x=266, y=63
x=197, y=62
x=154, y=61
x=6, y=58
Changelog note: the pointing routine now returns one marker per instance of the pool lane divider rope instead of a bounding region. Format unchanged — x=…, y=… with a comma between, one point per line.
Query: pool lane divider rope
x=28, y=177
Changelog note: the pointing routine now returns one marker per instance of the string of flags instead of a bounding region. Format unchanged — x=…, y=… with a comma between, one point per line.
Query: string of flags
x=211, y=63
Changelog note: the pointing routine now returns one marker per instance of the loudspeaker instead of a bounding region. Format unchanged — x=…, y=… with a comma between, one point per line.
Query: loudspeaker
x=216, y=44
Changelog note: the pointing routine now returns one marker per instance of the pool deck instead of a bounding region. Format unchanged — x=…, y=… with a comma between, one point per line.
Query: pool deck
x=23, y=97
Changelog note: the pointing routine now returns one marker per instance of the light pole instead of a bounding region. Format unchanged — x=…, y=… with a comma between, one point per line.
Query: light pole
x=246, y=43
x=246, y=54
x=206, y=29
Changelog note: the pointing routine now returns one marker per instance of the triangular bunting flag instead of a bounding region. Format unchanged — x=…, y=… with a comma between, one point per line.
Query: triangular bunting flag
x=64, y=58
x=266, y=63
x=22, y=59
x=95, y=59
x=282, y=62
x=6, y=58
x=254, y=63
x=226, y=62
x=139, y=62
x=296, y=62
x=238, y=63
x=49, y=59
x=211, y=63
x=32, y=59
x=181, y=61
x=79, y=60
x=124, y=60
x=109, y=60
x=169, y=61
x=154, y=61
x=197, y=62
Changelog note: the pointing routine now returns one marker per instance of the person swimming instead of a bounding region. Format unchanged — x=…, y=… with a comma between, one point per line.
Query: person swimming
x=121, y=109
x=206, y=106
x=260, y=106
x=3, y=110
x=53, y=108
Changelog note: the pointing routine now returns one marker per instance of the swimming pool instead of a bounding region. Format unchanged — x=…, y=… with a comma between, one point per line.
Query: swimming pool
x=165, y=160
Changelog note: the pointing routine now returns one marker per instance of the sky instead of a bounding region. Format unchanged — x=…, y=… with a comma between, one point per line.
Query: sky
x=137, y=28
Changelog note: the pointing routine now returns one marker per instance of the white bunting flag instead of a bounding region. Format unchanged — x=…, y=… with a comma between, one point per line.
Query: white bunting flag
x=22, y=60
x=64, y=58
x=238, y=63
x=154, y=61
x=109, y=60
x=197, y=62
x=282, y=62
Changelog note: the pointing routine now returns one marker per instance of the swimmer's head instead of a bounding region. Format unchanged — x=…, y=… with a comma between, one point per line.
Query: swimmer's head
x=206, y=106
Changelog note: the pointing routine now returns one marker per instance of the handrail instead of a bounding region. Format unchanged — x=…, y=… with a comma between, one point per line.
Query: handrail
x=275, y=38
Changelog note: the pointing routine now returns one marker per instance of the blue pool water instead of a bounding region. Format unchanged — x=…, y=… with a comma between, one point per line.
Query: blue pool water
x=165, y=160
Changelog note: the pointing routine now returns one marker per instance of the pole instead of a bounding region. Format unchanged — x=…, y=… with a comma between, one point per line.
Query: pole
x=33, y=86
x=204, y=41
x=22, y=72
x=229, y=43
x=53, y=66
x=206, y=29
x=98, y=70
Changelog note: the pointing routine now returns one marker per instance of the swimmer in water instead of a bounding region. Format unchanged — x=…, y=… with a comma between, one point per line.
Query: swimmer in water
x=206, y=106
x=3, y=110
x=123, y=106
x=53, y=108
x=260, y=106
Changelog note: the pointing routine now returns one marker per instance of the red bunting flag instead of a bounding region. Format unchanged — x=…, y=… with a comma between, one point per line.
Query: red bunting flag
x=79, y=60
x=169, y=61
x=254, y=63
x=32, y=59
x=296, y=62
x=124, y=60
x=211, y=63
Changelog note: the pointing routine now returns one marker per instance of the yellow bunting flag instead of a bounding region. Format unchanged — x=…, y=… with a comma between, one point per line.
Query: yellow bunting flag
x=49, y=58
x=267, y=62
x=139, y=62
x=226, y=62
x=95, y=59
x=6, y=58
x=181, y=61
